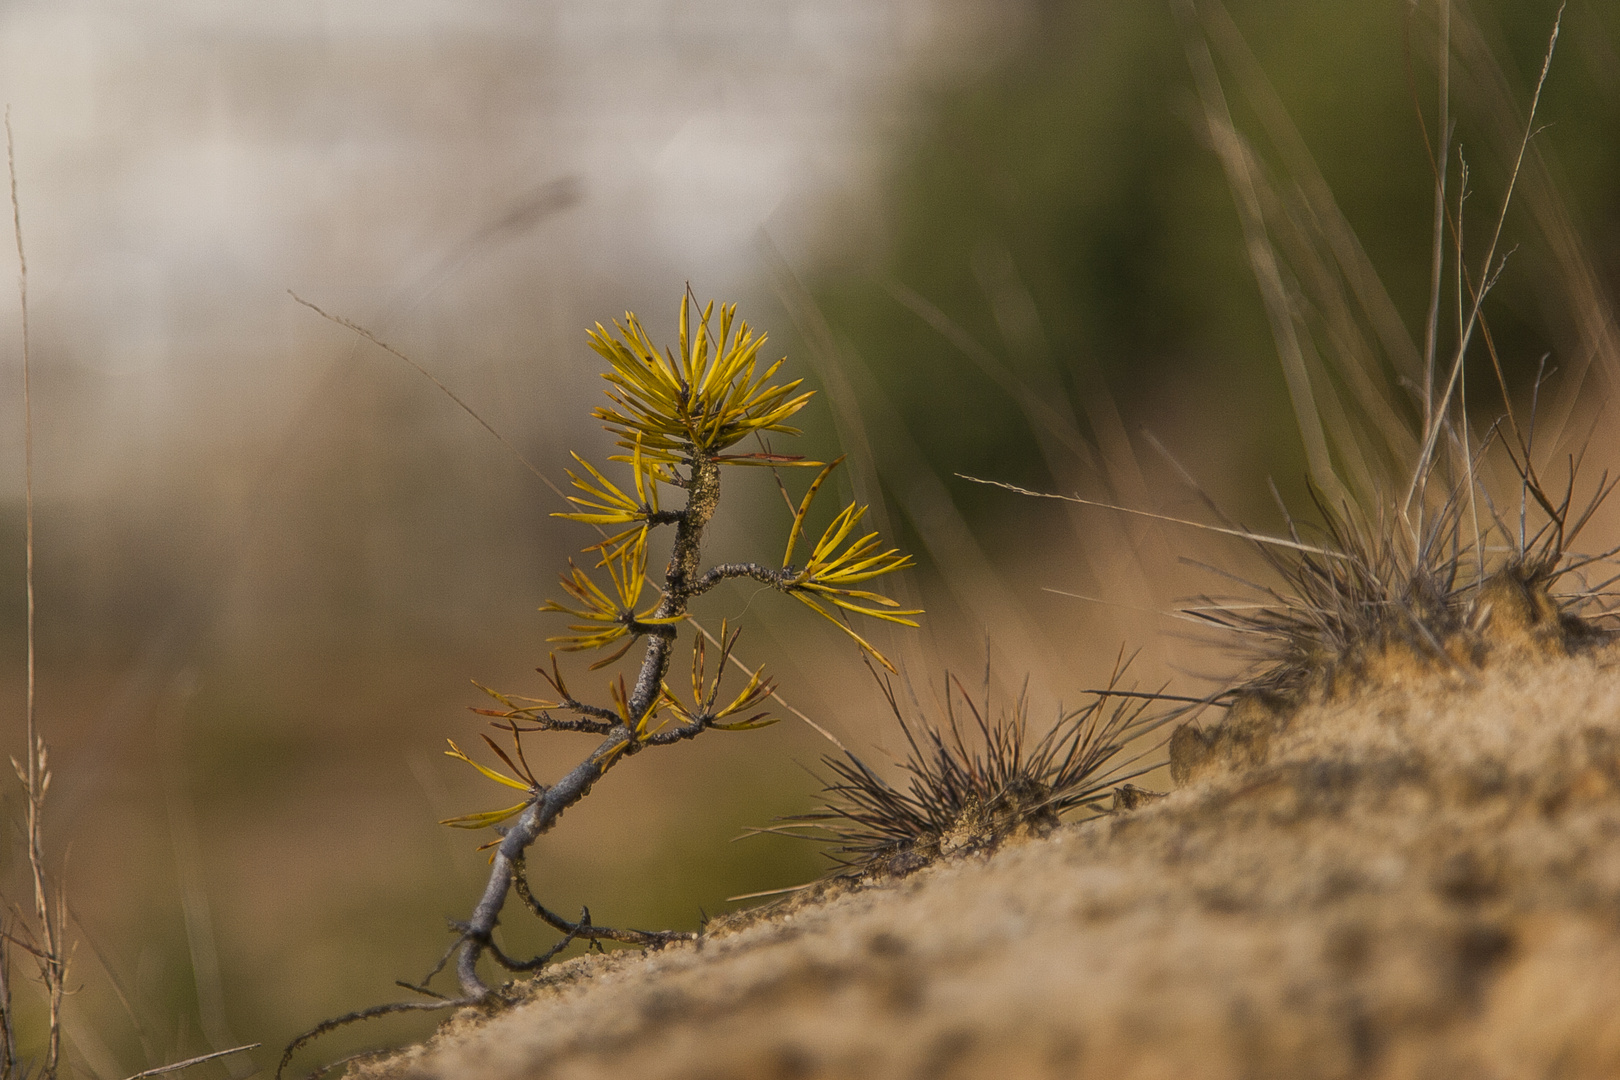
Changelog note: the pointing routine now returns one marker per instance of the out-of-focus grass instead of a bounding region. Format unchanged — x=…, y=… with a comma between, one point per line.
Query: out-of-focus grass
x=1065, y=212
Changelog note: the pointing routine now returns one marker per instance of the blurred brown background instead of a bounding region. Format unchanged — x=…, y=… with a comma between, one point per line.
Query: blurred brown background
x=272, y=557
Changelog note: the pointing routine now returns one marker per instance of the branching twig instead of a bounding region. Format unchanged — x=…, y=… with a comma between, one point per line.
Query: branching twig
x=727, y=571
x=358, y=1015
x=585, y=929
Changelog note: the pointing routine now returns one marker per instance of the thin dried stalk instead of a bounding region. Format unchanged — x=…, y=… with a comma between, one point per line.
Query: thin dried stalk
x=8, y=1036
x=35, y=774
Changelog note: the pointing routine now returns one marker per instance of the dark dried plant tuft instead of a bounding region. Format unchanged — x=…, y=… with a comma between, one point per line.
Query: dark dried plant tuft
x=976, y=779
x=1422, y=565
x=1360, y=592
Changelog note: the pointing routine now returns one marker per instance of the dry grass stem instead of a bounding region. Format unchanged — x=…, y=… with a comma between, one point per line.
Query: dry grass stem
x=189, y=1062
x=44, y=937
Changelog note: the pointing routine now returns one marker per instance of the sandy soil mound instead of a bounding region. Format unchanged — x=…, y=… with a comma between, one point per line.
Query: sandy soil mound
x=1420, y=881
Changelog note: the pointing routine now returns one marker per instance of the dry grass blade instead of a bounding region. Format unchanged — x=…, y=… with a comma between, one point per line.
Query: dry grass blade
x=1262, y=256
x=869, y=424
x=1434, y=577
x=1442, y=575
x=189, y=1062
x=47, y=949
x=1435, y=412
x=1245, y=534
x=8, y=1034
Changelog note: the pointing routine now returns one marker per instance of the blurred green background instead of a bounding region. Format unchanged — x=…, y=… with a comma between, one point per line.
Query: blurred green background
x=271, y=558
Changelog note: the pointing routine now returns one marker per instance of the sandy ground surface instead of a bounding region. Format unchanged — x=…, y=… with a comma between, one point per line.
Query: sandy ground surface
x=1420, y=879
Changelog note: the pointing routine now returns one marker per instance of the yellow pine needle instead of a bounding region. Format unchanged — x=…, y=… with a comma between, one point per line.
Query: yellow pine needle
x=899, y=617
x=841, y=527
x=804, y=508
x=753, y=723
x=627, y=569
x=621, y=700
x=579, y=585
x=608, y=504
x=607, y=619
x=488, y=817
x=534, y=704
x=830, y=573
x=496, y=694
x=614, y=656
x=865, y=645
x=756, y=689
x=636, y=468
x=612, y=754
x=603, y=489
x=704, y=693
x=500, y=778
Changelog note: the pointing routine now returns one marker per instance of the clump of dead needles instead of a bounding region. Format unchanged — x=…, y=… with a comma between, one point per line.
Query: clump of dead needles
x=975, y=779
x=1362, y=593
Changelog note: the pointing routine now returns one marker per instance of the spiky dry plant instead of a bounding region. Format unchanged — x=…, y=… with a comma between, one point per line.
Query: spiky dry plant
x=1363, y=592
x=1423, y=564
x=1417, y=554
x=975, y=779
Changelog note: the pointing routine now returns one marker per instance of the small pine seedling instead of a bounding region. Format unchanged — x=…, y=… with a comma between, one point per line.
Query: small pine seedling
x=677, y=418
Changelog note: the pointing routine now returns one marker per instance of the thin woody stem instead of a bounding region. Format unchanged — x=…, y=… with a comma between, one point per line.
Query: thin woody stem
x=777, y=579
x=536, y=819
x=585, y=928
x=51, y=964
x=681, y=581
